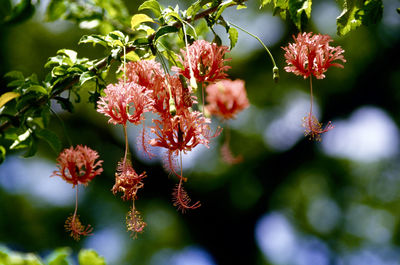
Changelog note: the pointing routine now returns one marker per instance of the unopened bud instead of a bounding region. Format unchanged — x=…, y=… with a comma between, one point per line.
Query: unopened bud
x=275, y=76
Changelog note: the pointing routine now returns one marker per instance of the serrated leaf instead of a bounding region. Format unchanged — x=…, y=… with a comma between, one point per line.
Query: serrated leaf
x=152, y=5
x=37, y=88
x=233, y=36
x=90, y=257
x=6, y=97
x=15, y=75
x=140, y=18
x=299, y=8
x=51, y=138
x=165, y=30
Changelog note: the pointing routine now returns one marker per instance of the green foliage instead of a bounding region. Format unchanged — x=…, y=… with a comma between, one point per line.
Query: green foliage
x=60, y=256
x=153, y=6
x=356, y=13
x=90, y=257
x=15, y=13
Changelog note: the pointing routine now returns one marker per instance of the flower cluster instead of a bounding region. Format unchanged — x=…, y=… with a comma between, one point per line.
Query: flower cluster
x=179, y=125
x=311, y=55
x=78, y=166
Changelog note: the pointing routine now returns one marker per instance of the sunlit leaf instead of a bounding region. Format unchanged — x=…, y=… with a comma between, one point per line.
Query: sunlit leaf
x=356, y=13
x=152, y=5
x=233, y=36
x=59, y=257
x=21, y=138
x=165, y=30
x=6, y=97
x=90, y=257
x=140, y=18
x=299, y=8
x=37, y=88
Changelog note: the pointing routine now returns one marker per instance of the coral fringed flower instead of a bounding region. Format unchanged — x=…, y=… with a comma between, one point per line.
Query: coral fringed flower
x=226, y=98
x=312, y=55
x=127, y=181
x=78, y=166
x=313, y=128
x=205, y=61
x=125, y=102
x=227, y=156
x=76, y=229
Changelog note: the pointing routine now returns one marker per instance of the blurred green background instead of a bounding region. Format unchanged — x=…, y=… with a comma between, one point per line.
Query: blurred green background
x=290, y=202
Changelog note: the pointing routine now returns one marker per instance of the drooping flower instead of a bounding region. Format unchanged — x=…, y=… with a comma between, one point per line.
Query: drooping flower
x=125, y=102
x=79, y=165
x=182, y=132
x=204, y=61
x=312, y=55
x=313, y=128
x=226, y=98
x=127, y=181
x=181, y=199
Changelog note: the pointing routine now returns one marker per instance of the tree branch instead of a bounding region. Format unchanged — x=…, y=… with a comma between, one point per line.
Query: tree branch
x=101, y=64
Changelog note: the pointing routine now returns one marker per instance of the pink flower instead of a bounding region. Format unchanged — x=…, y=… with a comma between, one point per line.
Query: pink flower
x=75, y=228
x=78, y=166
x=226, y=98
x=146, y=73
x=205, y=60
x=312, y=55
x=127, y=181
x=122, y=99
x=182, y=132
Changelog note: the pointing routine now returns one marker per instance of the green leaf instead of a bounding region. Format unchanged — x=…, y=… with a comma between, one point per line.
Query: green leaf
x=264, y=3
x=20, y=12
x=140, y=18
x=141, y=41
x=15, y=75
x=358, y=12
x=132, y=56
x=69, y=53
x=152, y=5
x=37, y=88
x=194, y=8
x=59, y=257
x=299, y=8
x=6, y=97
x=17, y=144
x=32, y=149
x=95, y=39
x=55, y=10
x=46, y=115
x=90, y=257
x=165, y=30
x=233, y=36
x=51, y=138
x=222, y=7
x=2, y=158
